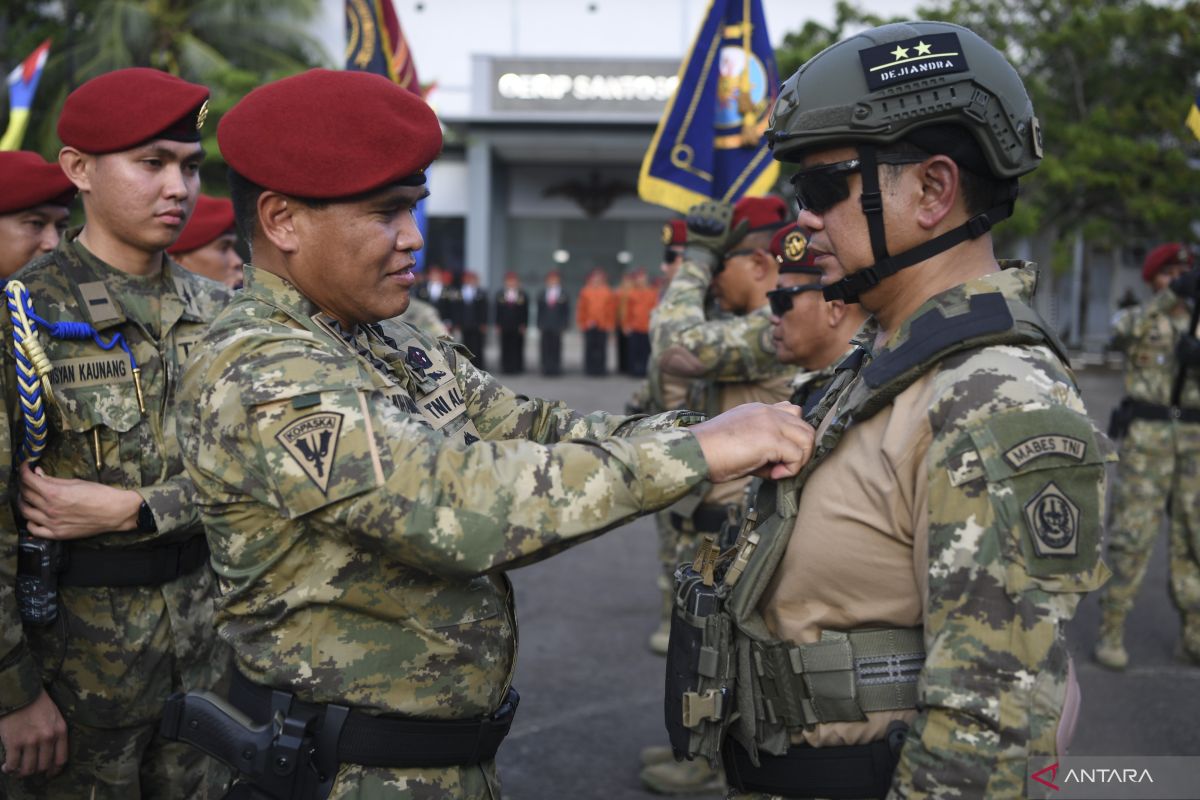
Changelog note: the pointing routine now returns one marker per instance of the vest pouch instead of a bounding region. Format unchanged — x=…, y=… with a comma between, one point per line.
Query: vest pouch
x=700, y=665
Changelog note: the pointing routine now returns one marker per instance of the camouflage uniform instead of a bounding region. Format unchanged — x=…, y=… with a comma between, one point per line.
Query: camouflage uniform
x=724, y=355
x=961, y=461
x=425, y=316
x=368, y=569
x=114, y=654
x=1160, y=465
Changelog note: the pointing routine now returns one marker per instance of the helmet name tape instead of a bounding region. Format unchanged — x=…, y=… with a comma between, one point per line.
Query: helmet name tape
x=911, y=59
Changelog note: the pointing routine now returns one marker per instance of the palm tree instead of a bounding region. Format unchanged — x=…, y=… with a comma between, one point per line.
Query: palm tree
x=231, y=46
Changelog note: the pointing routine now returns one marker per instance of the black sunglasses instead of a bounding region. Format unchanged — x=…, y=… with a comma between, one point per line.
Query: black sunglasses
x=820, y=188
x=781, y=299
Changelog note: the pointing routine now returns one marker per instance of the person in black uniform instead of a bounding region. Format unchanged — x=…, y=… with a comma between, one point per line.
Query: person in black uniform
x=554, y=317
x=512, y=316
x=470, y=316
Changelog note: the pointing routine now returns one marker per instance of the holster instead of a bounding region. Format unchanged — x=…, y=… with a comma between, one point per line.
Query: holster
x=700, y=668
x=39, y=562
x=1120, y=419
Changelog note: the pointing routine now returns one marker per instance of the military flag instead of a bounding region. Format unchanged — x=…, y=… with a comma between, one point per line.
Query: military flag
x=1193, y=117
x=376, y=43
x=710, y=142
x=22, y=83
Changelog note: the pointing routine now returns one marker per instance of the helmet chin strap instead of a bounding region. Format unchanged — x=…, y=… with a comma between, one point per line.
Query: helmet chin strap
x=849, y=288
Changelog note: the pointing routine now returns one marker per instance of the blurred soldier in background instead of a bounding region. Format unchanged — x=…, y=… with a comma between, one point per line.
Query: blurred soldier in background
x=639, y=304
x=34, y=201
x=553, y=317
x=512, y=318
x=1159, y=471
x=471, y=316
x=208, y=245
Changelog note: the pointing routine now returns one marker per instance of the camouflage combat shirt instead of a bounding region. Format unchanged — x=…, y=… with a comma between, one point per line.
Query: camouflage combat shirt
x=115, y=666
x=360, y=548
x=1147, y=335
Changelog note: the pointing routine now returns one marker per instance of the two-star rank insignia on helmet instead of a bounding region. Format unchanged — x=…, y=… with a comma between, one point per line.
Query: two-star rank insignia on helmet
x=919, y=57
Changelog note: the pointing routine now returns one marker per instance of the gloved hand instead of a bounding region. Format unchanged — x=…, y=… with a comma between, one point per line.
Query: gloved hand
x=709, y=228
x=1187, y=285
x=1188, y=351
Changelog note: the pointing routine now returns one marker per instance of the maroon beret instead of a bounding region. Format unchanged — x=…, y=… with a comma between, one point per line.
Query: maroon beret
x=26, y=180
x=675, y=233
x=763, y=213
x=1163, y=256
x=327, y=134
x=122, y=109
x=790, y=248
x=212, y=218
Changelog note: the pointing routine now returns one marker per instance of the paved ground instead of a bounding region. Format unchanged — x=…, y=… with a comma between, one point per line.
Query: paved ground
x=592, y=692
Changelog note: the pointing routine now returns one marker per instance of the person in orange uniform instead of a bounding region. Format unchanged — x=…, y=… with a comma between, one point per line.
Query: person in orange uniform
x=596, y=314
x=639, y=302
x=34, y=197
x=208, y=245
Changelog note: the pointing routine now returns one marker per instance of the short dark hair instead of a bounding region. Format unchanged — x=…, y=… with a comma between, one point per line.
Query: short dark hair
x=244, y=193
x=981, y=190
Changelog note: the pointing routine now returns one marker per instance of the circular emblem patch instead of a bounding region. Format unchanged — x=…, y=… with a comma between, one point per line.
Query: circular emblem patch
x=1053, y=519
x=794, y=245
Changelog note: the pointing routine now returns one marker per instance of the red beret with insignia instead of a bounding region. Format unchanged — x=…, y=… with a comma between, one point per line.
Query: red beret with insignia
x=212, y=218
x=790, y=248
x=1162, y=256
x=26, y=180
x=763, y=213
x=125, y=108
x=675, y=233
x=327, y=134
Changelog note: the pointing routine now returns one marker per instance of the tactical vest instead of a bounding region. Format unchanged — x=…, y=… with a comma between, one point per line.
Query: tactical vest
x=726, y=673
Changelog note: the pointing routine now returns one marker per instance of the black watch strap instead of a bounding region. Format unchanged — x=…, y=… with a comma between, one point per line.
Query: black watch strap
x=145, y=519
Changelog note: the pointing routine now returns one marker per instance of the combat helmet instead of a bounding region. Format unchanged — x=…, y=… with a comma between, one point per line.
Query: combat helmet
x=924, y=82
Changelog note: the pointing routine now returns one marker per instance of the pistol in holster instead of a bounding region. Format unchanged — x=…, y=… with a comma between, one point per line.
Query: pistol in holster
x=283, y=759
x=1120, y=419
x=39, y=562
x=700, y=666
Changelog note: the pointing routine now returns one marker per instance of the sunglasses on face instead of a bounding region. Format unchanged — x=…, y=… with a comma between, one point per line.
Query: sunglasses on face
x=822, y=187
x=781, y=299
x=672, y=255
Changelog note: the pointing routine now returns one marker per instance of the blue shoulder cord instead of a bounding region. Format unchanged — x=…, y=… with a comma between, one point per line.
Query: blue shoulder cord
x=33, y=367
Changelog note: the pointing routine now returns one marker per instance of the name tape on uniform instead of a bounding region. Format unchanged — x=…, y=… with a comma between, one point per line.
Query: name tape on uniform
x=100, y=370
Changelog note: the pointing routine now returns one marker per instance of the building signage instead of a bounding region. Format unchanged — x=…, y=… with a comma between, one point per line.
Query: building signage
x=560, y=85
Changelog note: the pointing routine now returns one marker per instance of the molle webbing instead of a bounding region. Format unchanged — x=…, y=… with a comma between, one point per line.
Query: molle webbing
x=841, y=678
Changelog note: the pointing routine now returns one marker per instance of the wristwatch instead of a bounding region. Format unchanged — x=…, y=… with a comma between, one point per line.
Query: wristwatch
x=145, y=519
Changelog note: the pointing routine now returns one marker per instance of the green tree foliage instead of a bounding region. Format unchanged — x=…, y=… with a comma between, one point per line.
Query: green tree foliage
x=1111, y=81
x=231, y=46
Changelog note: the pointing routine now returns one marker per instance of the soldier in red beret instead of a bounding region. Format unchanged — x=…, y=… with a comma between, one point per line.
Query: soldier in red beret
x=34, y=200
x=512, y=318
x=208, y=245
x=364, y=487
x=86, y=667
x=1160, y=456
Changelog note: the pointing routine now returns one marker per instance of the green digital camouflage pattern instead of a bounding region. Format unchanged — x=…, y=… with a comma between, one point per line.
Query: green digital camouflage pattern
x=1160, y=464
x=366, y=566
x=424, y=316
x=115, y=654
x=694, y=344
x=1014, y=529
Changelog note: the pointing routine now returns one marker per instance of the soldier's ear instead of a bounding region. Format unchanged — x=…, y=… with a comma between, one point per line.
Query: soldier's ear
x=835, y=312
x=276, y=219
x=76, y=165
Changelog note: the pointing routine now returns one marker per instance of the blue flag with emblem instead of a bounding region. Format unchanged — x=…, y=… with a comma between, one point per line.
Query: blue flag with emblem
x=710, y=142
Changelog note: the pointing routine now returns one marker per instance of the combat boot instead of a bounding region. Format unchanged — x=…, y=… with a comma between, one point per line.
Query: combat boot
x=682, y=777
x=1110, y=649
x=656, y=754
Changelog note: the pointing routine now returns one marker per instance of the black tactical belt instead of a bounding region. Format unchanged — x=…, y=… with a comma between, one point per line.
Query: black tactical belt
x=1153, y=411
x=707, y=518
x=849, y=772
x=392, y=741
x=133, y=566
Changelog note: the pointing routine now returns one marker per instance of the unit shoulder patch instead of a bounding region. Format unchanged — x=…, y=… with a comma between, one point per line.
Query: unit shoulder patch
x=1051, y=444
x=1053, y=519
x=312, y=441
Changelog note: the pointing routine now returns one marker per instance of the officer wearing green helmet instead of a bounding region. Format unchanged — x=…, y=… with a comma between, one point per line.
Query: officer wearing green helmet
x=891, y=621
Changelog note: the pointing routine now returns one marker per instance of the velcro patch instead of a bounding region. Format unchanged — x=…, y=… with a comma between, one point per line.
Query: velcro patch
x=1051, y=444
x=312, y=440
x=964, y=467
x=911, y=59
x=1053, y=519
